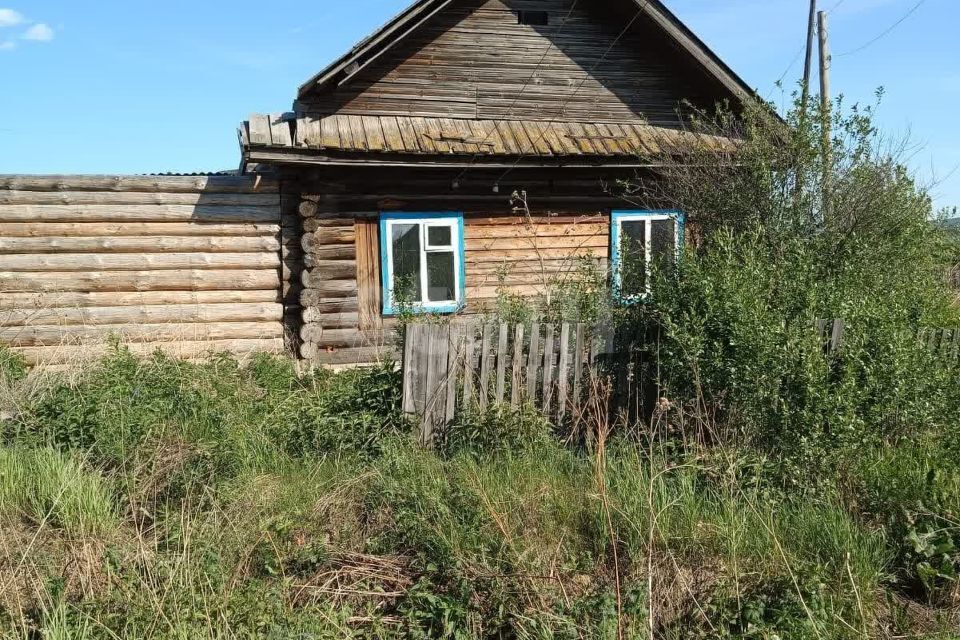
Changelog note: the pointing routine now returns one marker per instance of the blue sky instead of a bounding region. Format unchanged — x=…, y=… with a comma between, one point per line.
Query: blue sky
x=120, y=87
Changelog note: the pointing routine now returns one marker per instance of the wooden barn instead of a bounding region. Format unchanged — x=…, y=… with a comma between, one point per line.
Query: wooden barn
x=404, y=156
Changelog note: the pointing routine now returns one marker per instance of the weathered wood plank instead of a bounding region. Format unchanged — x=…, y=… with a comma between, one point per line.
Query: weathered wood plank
x=137, y=213
x=563, y=374
x=502, y=355
x=179, y=280
x=42, y=335
x=134, y=229
x=486, y=366
x=136, y=262
x=516, y=380
x=147, y=314
x=186, y=244
x=78, y=300
x=549, y=358
x=149, y=184
x=470, y=347
x=533, y=362
x=78, y=355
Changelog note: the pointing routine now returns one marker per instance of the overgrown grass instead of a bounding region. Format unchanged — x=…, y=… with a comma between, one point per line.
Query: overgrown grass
x=201, y=520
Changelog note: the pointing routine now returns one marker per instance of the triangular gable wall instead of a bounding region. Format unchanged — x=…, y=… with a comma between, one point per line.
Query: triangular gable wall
x=596, y=61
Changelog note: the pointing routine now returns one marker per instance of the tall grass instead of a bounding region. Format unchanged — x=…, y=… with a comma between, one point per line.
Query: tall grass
x=52, y=488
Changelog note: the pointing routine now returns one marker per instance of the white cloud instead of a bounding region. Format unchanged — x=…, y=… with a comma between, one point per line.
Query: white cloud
x=10, y=18
x=8, y=46
x=39, y=32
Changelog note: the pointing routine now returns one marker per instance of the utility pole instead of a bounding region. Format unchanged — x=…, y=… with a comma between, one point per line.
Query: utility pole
x=808, y=66
x=825, y=114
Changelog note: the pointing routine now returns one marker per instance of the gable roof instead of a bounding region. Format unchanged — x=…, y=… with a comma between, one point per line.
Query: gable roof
x=407, y=22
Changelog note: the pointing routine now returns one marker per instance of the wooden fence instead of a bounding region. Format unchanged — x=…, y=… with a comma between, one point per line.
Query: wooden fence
x=546, y=365
x=191, y=265
x=448, y=367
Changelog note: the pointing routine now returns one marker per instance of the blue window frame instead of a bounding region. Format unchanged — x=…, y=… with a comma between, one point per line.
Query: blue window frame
x=422, y=262
x=648, y=235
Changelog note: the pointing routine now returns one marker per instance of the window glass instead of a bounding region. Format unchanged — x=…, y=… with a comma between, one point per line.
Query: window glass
x=663, y=241
x=441, y=276
x=439, y=236
x=406, y=261
x=633, y=257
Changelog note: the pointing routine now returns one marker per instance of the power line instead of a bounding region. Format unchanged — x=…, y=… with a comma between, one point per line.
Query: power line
x=885, y=33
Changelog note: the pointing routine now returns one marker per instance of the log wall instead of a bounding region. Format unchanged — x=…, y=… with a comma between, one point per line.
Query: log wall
x=191, y=265
x=342, y=295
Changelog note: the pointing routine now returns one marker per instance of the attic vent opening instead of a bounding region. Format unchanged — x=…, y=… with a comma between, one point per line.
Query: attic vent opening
x=534, y=18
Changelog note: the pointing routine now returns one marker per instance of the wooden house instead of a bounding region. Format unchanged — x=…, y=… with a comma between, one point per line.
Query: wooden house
x=472, y=147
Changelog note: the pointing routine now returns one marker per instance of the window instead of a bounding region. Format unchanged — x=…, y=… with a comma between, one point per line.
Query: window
x=640, y=239
x=535, y=18
x=422, y=258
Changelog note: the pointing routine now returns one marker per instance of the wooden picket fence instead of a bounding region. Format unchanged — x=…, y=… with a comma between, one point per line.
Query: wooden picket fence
x=554, y=367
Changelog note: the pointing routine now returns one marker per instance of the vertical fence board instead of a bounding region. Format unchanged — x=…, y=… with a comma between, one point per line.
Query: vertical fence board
x=516, y=379
x=486, y=366
x=578, y=363
x=454, y=362
x=563, y=375
x=548, y=360
x=469, y=350
x=502, y=355
x=533, y=360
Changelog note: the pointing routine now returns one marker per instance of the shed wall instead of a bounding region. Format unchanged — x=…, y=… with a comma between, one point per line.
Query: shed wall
x=190, y=265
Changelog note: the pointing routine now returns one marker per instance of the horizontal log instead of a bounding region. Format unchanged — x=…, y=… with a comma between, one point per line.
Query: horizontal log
x=335, y=252
x=165, y=184
x=24, y=301
x=72, y=355
x=126, y=229
x=185, y=280
x=327, y=225
x=326, y=237
x=533, y=243
x=43, y=335
x=132, y=197
x=322, y=337
x=493, y=290
x=330, y=270
x=328, y=288
x=481, y=232
x=322, y=356
x=327, y=269
x=311, y=298
x=509, y=255
x=148, y=314
x=312, y=315
x=58, y=244
x=136, y=213
x=137, y=262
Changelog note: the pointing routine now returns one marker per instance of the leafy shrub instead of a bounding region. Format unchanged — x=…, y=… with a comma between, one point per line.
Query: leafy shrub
x=13, y=367
x=495, y=431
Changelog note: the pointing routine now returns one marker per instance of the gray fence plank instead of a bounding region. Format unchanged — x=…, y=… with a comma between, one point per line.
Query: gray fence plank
x=502, y=355
x=563, y=375
x=469, y=351
x=454, y=366
x=486, y=366
x=533, y=363
x=548, y=359
x=578, y=362
x=516, y=380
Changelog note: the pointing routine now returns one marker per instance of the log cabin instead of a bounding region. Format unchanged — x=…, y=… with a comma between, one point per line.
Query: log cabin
x=466, y=150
